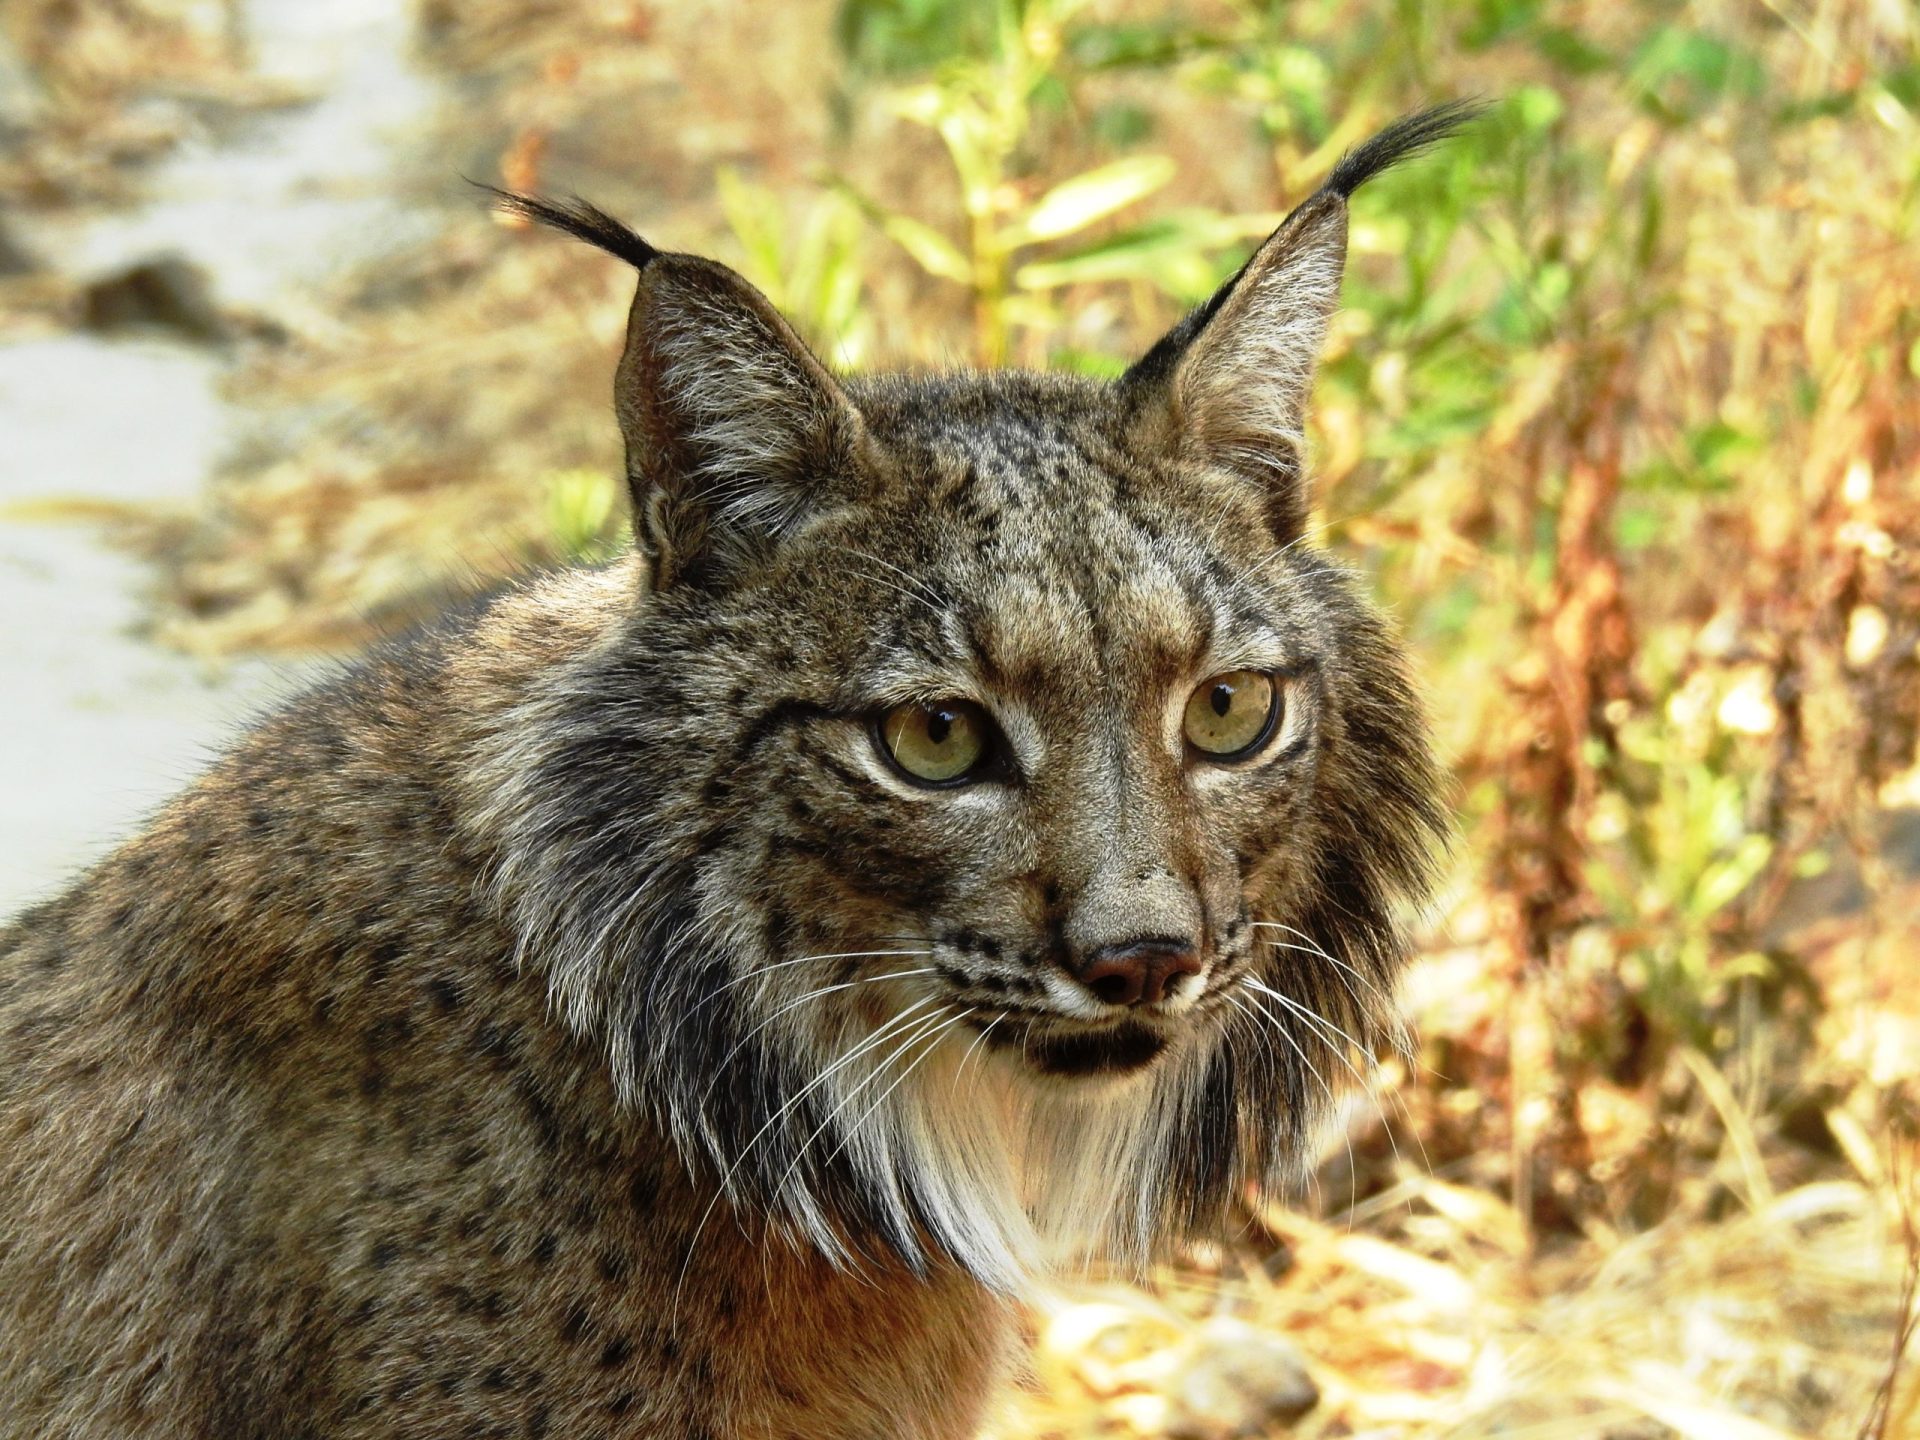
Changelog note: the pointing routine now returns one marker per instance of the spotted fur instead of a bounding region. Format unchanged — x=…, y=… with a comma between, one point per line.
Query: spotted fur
x=569, y=1022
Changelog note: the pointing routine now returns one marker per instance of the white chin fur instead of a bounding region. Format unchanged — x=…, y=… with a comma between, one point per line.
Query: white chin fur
x=1021, y=1177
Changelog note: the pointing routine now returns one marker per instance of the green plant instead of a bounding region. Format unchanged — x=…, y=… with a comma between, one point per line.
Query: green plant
x=581, y=519
x=812, y=271
x=1015, y=258
x=1675, y=843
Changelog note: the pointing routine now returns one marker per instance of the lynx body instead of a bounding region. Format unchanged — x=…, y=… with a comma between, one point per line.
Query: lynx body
x=696, y=997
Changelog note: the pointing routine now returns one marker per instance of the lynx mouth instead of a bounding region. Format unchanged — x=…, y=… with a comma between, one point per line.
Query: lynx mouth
x=1110, y=1050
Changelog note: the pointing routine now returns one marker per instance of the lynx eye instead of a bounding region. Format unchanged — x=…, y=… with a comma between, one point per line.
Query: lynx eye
x=941, y=743
x=1229, y=715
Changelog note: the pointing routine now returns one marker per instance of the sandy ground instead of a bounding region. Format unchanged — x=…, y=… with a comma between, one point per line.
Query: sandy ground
x=97, y=727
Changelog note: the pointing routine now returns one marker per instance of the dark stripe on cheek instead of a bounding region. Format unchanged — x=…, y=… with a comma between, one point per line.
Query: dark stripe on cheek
x=864, y=785
x=775, y=717
x=983, y=657
x=769, y=722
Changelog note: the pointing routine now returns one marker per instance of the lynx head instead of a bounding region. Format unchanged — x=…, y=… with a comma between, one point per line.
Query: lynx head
x=984, y=836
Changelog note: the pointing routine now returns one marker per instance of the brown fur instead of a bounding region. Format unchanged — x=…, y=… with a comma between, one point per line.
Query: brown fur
x=286, y=1151
x=491, y=1044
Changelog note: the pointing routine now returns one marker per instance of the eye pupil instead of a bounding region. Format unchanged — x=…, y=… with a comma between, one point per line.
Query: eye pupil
x=940, y=742
x=1230, y=715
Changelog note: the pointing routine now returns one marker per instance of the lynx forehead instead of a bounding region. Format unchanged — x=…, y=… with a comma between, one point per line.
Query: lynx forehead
x=692, y=997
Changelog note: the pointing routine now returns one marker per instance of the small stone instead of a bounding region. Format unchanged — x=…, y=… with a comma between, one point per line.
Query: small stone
x=1228, y=1381
x=167, y=293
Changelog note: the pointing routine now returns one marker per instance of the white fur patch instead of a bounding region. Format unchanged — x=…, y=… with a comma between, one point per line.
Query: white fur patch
x=1020, y=1178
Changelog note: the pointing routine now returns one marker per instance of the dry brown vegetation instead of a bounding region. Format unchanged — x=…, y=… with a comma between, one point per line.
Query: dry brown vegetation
x=1623, y=416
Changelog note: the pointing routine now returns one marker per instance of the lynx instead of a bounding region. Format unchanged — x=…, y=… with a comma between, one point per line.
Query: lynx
x=700, y=996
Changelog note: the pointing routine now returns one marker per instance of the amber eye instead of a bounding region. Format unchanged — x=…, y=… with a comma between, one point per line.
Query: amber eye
x=940, y=743
x=1231, y=713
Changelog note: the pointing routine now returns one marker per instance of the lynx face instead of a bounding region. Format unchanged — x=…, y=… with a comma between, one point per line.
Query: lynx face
x=1060, y=767
x=984, y=835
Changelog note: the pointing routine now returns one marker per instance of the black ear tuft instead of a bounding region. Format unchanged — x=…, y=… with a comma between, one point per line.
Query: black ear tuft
x=1405, y=137
x=580, y=219
x=735, y=431
x=1231, y=381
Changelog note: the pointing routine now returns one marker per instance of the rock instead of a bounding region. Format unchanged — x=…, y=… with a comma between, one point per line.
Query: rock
x=166, y=293
x=1226, y=1381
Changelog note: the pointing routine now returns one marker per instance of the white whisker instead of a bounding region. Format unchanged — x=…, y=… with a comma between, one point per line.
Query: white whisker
x=978, y=1041
x=1342, y=1057
x=760, y=970
x=1287, y=1035
x=870, y=1042
x=1313, y=1017
x=1313, y=1175
x=919, y=1030
x=745, y=1039
x=1311, y=949
x=920, y=591
x=944, y=1025
x=886, y=584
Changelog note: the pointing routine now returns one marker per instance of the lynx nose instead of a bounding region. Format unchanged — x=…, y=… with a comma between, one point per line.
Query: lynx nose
x=1138, y=973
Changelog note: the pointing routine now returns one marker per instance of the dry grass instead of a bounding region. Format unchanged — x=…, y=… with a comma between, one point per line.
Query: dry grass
x=1764, y=1303
x=104, y=86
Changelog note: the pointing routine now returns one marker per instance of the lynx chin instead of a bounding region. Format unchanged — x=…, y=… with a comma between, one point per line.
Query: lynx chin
x=696, y=997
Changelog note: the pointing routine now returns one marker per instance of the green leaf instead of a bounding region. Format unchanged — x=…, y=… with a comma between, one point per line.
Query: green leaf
x=922, y=104
x=1172, y=251
x=1812, y=865
x=579, y=511
x=756, y=220
x=1571, y=51
x=1681, y=71
x=1075, y=204
x=1497, y=20
x=1709, y=463
x=1721, y=882
x=1718, y=444
x=929, y=249
x=1818, y=107
x=1089, y=362
x=1537, y=108
x=1113, y=45
x=1120, y=125
x=1903, y=83
x=1635, y=527
x=894, y=37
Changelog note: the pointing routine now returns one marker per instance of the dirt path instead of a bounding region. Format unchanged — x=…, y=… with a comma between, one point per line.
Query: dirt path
x=97, y=726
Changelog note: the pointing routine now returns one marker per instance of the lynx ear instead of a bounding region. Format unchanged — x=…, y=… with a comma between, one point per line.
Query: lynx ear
x=735, y=431
x=1230, y=383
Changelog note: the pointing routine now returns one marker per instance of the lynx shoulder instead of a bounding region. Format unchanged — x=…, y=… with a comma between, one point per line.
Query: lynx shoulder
x=699, y=996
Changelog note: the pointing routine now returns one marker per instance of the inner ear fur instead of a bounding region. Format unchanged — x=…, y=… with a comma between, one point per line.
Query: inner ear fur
x=735, y=432
x=1233, y=394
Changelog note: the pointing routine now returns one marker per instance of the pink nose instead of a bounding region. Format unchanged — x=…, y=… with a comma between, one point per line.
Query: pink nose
x=1141, y=973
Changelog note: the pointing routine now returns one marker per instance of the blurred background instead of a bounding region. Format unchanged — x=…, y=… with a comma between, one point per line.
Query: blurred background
x=1621, y=417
